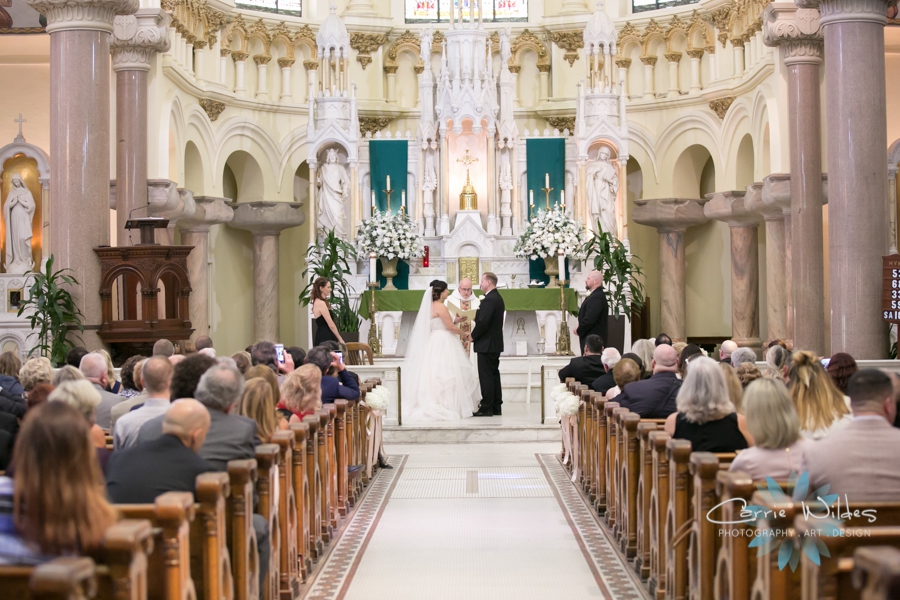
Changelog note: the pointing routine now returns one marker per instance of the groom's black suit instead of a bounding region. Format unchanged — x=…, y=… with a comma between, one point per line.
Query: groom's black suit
x=488, y=338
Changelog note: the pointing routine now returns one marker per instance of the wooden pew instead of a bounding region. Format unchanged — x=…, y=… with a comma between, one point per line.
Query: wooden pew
x=736, y=561
x=242, y=475
x=170, y=562
x=629, y=453
x=302, y=491
x=585, y=419
x=594, y=449
x=324, y=475
x=341, y=455
x=876, y=572
x=677, y=518
x=610, y=451
x=644, y=490
x=602, y=430
x=210, y=561
x=659, y=501
x=331, y=448
x=122, y=561
x=617, y=465
x=64, y=578
x=704, y=538
x=267, y=460
x=289, y=565
x=316, y=544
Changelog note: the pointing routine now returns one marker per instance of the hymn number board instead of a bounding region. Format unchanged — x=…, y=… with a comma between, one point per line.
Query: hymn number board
x=890, y=296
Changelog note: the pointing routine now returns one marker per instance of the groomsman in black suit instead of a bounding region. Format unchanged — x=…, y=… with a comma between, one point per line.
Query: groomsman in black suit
x=488, y=338
x=593, y=317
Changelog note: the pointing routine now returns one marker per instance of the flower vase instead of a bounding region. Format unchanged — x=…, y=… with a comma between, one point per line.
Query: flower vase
x=389, y=271
x=551, y=269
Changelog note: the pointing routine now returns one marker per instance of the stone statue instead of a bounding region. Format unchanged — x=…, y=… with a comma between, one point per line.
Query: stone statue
x=334, y=184
x=18, y=213
x=505, y=48
x=602, y=188
x=506, y=186
x=429, y=184
x=425, y=47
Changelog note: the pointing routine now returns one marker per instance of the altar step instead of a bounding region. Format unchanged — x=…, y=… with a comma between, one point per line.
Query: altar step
x=520, y=423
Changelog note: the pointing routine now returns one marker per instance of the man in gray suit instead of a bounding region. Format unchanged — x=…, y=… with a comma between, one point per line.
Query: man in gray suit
x=860, y=460
x=94, y=368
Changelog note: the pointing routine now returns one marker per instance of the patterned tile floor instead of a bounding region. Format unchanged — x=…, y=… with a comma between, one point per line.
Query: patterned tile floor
x=491, y=521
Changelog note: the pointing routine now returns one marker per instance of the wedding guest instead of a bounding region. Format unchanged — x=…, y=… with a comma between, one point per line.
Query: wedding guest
x=264, y=353
x=705, y=416
x=258, y=404
x=73, y=358
x=54, y=460
x=84, y=397
x=841, y=368
x=820, y=406
x=10, y=365
x=593, y=316
x=66, y=373
x=687, y=354
x=588, y=367
x=112, y=384
x=267, y=375
x=326, y=329
x=645, y=349
x=158, y=383
x=202, y=343
x=741, y=356
x=772, y=422
x=94, y=368
x=34, y=371
x=725, y=350
x=679, y=348
x=125, y=406
x=343, y=385
x=654, y=398
x=186, y=375
x=663, y=338
x=637, y=360
x=129, y=385
x=298, y=354
x=163, y=347
x=242, y=361
x=626, y=371
x=610, y=357
x=747, y=373
x=38, y=395
x=733, y=384
x=301, y=392
x=860, y=460
x=776, y=359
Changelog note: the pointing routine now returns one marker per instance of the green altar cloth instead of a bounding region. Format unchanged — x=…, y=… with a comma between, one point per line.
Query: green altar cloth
x=527, y=299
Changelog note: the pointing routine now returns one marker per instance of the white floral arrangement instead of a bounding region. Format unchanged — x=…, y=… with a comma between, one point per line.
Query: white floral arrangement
x=567, y=404
x=390, y=236
x=557, y=391
x=549, y=232
x=378, y=399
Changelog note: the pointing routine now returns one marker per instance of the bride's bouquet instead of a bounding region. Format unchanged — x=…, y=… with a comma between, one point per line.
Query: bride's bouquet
x=378, y=399
x=390, y=236
x=549, y=232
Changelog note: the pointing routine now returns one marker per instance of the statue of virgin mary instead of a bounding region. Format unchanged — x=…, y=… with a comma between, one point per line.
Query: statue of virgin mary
x=18, y=213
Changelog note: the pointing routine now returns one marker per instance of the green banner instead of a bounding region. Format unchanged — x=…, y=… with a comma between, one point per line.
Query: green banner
x=389, y=158
x=544, y=158
x=518, y=299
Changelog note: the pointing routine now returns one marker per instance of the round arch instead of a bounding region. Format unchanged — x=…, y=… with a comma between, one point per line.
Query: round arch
x=248, y=176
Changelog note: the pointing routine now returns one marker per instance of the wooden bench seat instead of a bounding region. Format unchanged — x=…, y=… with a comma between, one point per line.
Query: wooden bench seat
x=289, y=566
x=210, y=560
x=876, y=572
x=242, y=476
x=64, y=578
x=268, y=460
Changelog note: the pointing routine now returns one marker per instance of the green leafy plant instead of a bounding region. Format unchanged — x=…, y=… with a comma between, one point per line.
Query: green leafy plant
x=331, y=258
x=53, y=312
x=621, y=275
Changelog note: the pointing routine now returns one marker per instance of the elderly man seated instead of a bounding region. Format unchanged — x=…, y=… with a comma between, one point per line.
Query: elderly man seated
x=654, y=398
x=585, y=369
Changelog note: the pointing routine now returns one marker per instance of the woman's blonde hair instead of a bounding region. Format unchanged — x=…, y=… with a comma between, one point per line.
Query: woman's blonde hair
x=733, y=383
x=35, y=370
x=59, y=497
x=257, y=403
x=266, y=373
x=66, y=373
x=110, y=370
x=703, y=396
x=302, y=389
x=771, y=417
x=80, y=395
x=816, y=399
x=644, y=349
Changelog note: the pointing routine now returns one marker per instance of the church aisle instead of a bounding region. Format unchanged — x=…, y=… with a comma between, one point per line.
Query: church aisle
x=473, y=521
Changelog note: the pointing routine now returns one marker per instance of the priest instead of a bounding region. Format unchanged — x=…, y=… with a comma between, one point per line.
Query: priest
x=463, y=300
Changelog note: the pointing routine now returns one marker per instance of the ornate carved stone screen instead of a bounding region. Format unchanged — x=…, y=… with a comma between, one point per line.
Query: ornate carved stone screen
x=144, y=293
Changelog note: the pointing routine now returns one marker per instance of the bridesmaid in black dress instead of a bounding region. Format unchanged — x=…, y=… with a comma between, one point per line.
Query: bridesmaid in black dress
x=326, y=330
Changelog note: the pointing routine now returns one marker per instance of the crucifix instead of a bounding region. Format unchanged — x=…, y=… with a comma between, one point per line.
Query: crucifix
x=468, y=199
x=20, y=120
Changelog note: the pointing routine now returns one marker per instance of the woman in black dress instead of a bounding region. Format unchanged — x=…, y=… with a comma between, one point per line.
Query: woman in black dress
x=326, y=330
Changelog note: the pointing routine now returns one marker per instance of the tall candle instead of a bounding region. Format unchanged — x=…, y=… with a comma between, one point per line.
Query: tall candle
x=426, y=257
x=562, y=264
x=530, y=197
x=547, y=180
x=403, y=198
x=388, y=182
x=562, y=198
x=373, y=203
x=371, y=267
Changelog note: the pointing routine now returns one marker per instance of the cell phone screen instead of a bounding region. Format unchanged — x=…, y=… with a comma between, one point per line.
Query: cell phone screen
x=340, y=356
x=279, y=352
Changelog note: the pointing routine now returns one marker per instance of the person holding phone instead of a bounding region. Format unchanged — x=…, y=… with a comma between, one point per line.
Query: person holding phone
x=340, y=385
x=326, y=330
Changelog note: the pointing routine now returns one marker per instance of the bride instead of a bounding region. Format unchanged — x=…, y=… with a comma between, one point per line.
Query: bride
x=439, y=383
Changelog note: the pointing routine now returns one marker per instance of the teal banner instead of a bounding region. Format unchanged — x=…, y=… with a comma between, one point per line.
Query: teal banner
x=544, y=158
x=401, y=281
x=389, y=158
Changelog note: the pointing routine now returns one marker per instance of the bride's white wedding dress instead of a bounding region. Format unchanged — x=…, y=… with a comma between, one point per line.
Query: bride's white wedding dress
x=439, y=382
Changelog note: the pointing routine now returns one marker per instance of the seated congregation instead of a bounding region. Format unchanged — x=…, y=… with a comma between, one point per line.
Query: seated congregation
x=189, y=476
x=705, y=471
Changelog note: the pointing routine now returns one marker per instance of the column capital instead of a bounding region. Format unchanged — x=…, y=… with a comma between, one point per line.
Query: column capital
x=776, y=190
x=753, y=201
x=267, y=218
x=92, y=15
x=797, y=31
x=239, y=56
x=850, y=11
x=669, y=214
x=729, y=208
x=165, y=199
x=136, y=38
x=209, y=211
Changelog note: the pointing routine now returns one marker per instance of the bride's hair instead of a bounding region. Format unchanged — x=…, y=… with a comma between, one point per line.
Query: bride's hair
x=437, y=288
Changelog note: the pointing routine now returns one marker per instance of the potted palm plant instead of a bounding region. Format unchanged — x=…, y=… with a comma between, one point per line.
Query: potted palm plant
x=52, y=312
x=621, y=275
x=331, y=258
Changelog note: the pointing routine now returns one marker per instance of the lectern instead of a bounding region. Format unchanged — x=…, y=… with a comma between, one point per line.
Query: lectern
x=147, y=225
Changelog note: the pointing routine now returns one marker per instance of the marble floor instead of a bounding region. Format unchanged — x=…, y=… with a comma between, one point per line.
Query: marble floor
x=473, y=521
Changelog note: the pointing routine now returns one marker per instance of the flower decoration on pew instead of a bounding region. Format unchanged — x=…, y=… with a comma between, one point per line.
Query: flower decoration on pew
x=390, y=236
x=378, y=399
x=567, y=405
x=548, y=233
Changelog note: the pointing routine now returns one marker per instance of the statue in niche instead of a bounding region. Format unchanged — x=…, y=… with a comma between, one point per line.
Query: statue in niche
x=18, y=213
x=602, y=189
x=334, y=186
x=425, y=46
x=505, y=48
x=429, y=184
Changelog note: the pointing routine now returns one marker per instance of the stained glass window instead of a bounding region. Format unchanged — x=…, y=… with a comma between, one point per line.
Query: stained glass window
x=645, y=5
x=438, y=11
x=282, y=7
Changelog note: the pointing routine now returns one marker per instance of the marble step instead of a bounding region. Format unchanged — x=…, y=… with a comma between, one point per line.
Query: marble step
x=466, y=433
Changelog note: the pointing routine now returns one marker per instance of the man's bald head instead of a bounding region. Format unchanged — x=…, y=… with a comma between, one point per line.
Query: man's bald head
x=157, y=376
x=465, y=287
x=727, y=347
x=594, y=280
x=94, y=368
x=665, y=359
x=188, y=420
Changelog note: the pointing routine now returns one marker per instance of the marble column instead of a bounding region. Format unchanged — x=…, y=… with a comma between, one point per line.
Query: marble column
x=224, y=53
x=391, y=73
x=136, y=39
x=200, y=59
x=262, y=77
x=195, y=232
x=738, y=45
x=673, y=58
x=796, y=32
x=266, y=220
x=623, y=64
x=286, y=91
x=671, y=217
x=544, y=74
x=695, y=55
x=649, y=65
x=312, y=72
x=240, y=63
x=857, y=138
x=776, y=303
x=80, y=33
x=744, y=224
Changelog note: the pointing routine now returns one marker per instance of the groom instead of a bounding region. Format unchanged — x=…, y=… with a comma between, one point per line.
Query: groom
x=488, y=338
